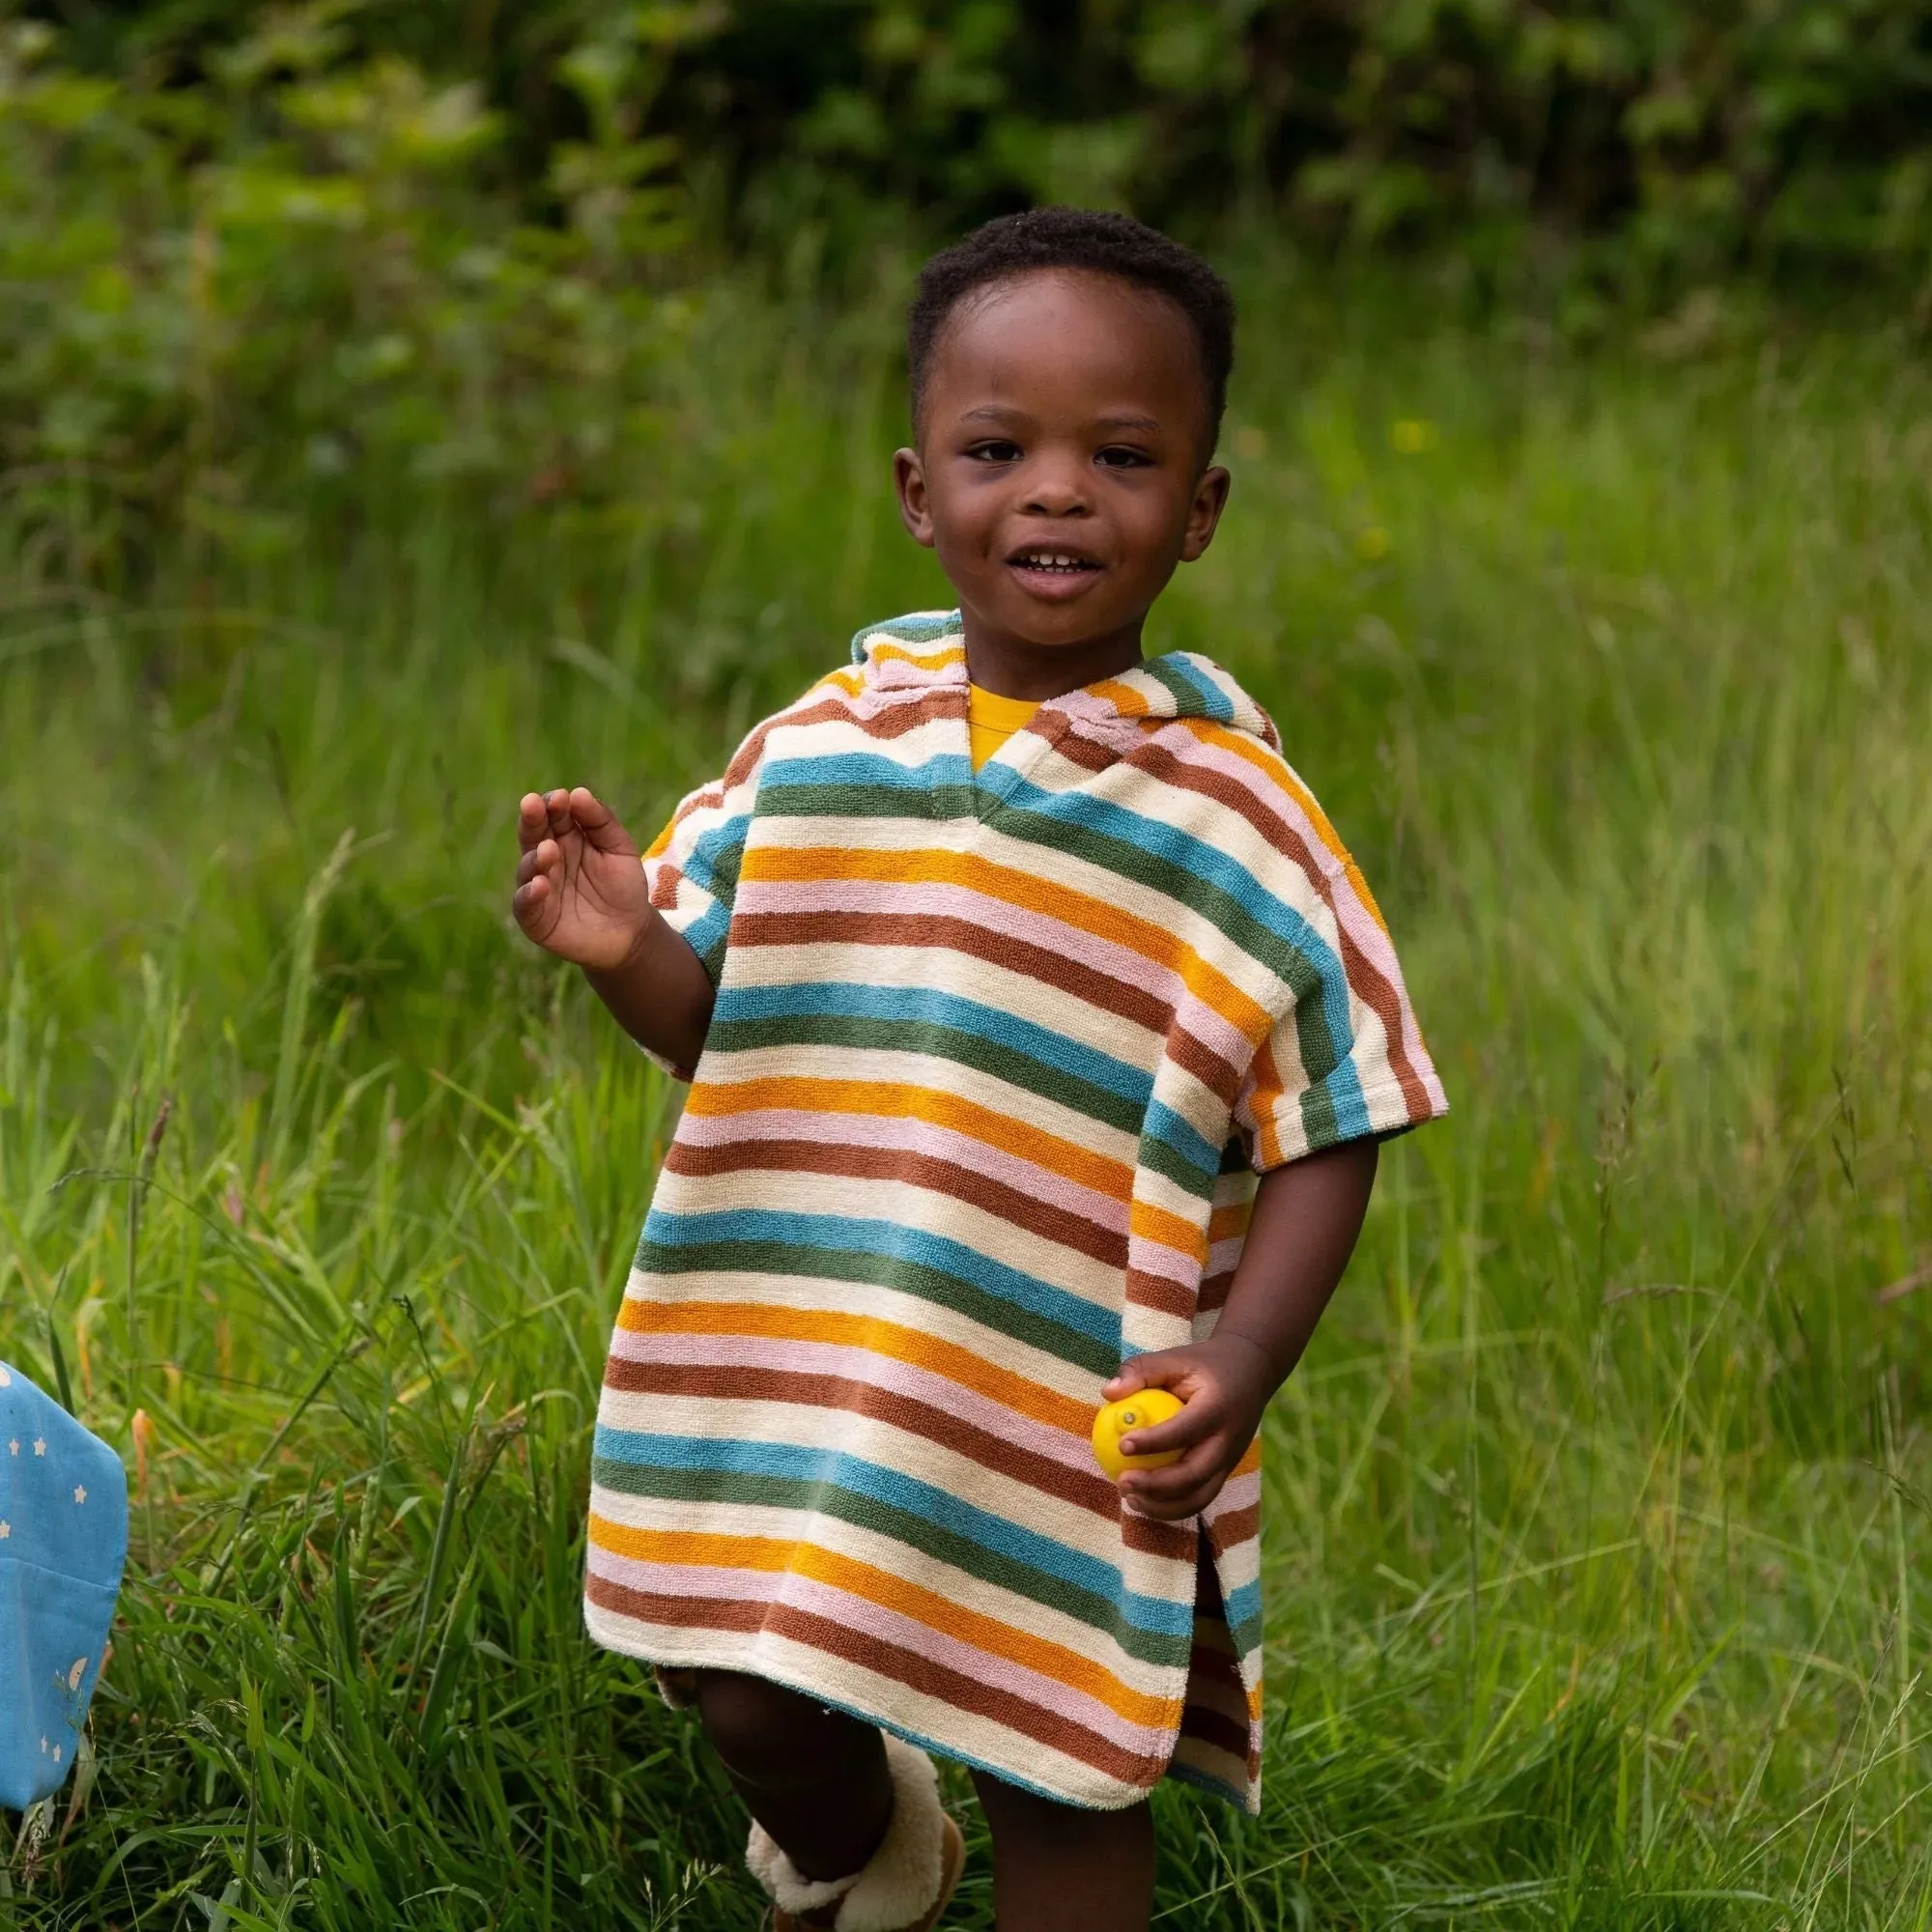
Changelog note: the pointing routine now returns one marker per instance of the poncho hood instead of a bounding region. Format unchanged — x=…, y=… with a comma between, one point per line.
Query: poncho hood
x=928, y=648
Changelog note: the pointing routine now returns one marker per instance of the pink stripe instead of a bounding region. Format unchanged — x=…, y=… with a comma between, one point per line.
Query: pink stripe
x=856, y=1612
x=903, y=1134
x=872, y=1369
x=1151, y=1257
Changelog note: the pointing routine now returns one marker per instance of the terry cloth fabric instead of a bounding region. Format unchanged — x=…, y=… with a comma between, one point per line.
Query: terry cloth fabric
x=993, y=1064
x=63, y=1543
x=991, y=720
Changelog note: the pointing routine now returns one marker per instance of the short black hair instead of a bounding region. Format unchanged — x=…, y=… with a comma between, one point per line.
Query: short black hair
x=1077, y=237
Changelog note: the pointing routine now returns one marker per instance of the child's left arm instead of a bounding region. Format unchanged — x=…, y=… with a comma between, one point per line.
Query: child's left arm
x=1302, y=1231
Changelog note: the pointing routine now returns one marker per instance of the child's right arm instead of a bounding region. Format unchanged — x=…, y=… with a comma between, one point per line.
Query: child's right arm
x=581, y=893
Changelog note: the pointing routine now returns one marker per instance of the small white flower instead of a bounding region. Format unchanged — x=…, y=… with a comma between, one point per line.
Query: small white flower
x=14, y=1448
x=57, y=1752
x=40, y=1445
x=6, y=1530
x=44, y=1746
x=5, y=1381
x=80, y=1493
x=79, y=1671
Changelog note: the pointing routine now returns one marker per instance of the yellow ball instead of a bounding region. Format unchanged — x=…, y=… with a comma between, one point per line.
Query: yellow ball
x=1143, y=1410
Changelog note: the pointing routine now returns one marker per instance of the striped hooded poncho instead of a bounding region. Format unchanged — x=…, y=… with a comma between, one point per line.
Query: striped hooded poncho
x=994, y=1063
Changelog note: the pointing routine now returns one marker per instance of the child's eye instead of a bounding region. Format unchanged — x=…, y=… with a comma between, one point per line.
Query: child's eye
x=995, y=452
x=1116, y=456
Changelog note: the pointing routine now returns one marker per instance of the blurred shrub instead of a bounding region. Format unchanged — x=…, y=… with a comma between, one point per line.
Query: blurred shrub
x=244, y=245
x=311, y=265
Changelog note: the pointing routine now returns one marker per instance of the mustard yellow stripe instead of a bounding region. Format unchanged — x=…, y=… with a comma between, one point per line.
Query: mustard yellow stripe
x=896, y=1100
x=1264, y=761
x=804, y=865
x=643, y=1315
x=935, y=661
x=1123, y=698
x=1156, y=1224
x=1264, y=1098
x=777, y=1555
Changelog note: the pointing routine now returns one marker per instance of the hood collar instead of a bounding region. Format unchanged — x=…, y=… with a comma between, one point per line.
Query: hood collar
x=927, y=649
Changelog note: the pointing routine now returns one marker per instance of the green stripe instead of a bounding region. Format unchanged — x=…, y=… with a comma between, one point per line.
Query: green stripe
x=1174, y=1166
x=1317, y=1118
x=941, y=1042
x=844, y=800
x=1178, y=685
x=916, y=1278
x=945, y=1546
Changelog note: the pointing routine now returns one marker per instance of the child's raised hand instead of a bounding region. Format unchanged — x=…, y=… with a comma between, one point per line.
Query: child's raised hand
x=580, y=891
x=1225, y=1383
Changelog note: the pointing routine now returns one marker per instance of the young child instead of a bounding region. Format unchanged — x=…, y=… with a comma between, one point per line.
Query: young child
x=1001, y=964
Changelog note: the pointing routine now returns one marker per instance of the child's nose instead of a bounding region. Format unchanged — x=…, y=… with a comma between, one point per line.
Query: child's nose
x=1056, y=488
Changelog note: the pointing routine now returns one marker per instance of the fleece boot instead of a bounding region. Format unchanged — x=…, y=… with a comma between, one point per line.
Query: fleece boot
x=903, y=1887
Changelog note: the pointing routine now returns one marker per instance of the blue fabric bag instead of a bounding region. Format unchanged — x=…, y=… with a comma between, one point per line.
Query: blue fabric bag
x=63, y=1543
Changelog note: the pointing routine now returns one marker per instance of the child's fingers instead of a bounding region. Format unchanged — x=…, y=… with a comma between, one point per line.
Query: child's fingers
x=1197, y=1421
x=1160, y=1368
x=530, y=904
x=598, y=822
x=1179, y=1509
x=541, y=857
x=1183, y=1487
x=533, y=817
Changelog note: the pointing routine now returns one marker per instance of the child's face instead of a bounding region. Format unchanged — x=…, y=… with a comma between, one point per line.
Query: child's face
x=1060, y=469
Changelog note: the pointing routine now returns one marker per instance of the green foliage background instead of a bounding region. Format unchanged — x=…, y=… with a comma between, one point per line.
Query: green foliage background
x=251, y=249
x=405, y=403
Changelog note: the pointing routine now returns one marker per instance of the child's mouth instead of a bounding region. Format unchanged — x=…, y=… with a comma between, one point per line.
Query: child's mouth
x=1051, y=572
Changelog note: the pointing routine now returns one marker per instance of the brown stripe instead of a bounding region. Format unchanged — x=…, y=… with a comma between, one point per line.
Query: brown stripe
x=942, y=1176
x=746, y=1617
x=1214, y=1291
x=1199, y=1058
x=1091, y=754
x=890, y=721
x=1236, y=1527
x=1174, y=1541
x=1087, y=1490
x=1157, y=1291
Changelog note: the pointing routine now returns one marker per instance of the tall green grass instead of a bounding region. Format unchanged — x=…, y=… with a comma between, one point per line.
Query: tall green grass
x=1599, y=1552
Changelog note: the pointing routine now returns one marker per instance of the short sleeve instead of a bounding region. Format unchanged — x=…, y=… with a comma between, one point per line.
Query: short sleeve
x=692, y=871
x=692, y=865
x=1343, y=1057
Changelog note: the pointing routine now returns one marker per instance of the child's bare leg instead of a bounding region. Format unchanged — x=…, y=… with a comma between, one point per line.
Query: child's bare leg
x=815, y=1779
x=1060, y=1868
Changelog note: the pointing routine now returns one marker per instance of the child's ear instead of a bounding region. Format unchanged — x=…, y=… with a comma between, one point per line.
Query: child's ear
x=914, y=507
x=1204, y=513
